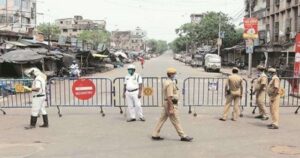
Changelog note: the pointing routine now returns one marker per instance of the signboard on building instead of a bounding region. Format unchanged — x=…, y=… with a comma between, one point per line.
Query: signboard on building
x=249, y=46
x=250, y=28
x=297, y=65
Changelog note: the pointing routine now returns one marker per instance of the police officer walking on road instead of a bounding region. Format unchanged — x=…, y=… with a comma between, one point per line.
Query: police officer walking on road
x=39, y=97
x=233, y=92
x=132, y=93
x=171, y=94
x=274, y=96
x=260, y=92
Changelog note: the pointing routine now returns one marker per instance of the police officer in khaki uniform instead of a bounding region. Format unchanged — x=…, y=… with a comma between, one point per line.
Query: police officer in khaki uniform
x=260, y=92
x=274, y=96
x=171, y=95
x=233, y=92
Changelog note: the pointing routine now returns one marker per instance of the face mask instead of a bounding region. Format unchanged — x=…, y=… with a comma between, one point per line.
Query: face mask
x=131, y=72
x=258, y=74
x=173, y=77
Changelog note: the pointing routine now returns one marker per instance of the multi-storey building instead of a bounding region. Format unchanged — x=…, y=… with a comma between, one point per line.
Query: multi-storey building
x=18, y=15
x=279, y=22
x=129, y=40
x=71, y=27
x=196, y=18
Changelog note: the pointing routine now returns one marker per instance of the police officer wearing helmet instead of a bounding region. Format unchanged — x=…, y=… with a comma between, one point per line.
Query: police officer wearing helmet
x=233, y=92
x=260, y=92
x=133, y=93
x=274, y=98
x=171, y=96
x=39, y=97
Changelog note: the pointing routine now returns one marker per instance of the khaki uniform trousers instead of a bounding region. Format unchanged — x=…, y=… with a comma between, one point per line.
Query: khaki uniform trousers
x=274, y=109
x=236, y=108
x=260, y=102
x=174, y=120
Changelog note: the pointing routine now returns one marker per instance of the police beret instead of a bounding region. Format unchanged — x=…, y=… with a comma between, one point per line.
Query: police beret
x=171, y=70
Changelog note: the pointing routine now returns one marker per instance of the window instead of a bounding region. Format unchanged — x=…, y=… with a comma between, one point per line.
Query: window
x=17, y=3
x=65, y=30
x=61, y=22
x=74, y=30
x=2, y=2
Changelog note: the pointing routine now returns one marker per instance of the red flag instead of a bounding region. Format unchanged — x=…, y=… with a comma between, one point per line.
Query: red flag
x=295, y=84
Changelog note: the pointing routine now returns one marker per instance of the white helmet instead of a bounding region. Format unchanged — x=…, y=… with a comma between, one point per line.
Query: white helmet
x=131, y=67
x=32, y=71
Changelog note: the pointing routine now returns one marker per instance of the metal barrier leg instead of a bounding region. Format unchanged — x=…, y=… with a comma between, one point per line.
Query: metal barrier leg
x=253, y=112
x=121, y=111
x=195, y=113
x=102, y=112
x=296, y=112
x=59, y=114
x=190, y=109
x=4, y=113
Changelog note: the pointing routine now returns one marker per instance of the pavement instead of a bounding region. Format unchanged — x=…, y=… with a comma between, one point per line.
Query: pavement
x=84, y=133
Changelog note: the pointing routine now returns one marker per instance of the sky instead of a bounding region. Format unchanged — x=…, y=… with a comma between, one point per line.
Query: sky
x=159, y=18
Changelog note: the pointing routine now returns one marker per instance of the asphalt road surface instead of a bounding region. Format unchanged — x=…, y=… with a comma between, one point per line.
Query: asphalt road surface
x=83, y=132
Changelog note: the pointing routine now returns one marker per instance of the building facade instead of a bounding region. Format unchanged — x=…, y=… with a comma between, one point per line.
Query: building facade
x=71, y=27
x=129, y=40
x=196, y=18
x=18, y=15
x=279, y=22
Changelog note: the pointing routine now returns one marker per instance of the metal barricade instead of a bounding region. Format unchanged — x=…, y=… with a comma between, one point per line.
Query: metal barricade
x=290, y=98
x=83, y=92
x=13, y=94
x=151, y=96
x=210, y=92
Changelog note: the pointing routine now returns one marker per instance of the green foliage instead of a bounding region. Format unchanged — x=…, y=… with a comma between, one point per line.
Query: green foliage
x=207, y=32
x=178, y=45
x=94, y=37
x=49, y=29
x=157, y=46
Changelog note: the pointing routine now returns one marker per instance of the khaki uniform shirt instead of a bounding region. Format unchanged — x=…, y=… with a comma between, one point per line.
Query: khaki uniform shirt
x=274, y=83
x=261, y=81
x=170, y=89
x=234, y=82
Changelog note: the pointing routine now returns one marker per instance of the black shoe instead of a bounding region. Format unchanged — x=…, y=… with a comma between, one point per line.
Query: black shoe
x=186, y=139
x=273, y=127
x=33, y=121
x=131, y=120
x=259, y=117
x=45, y=119
x=142, y=119
x=221, y=119
x=270, y=125
x=157, y=138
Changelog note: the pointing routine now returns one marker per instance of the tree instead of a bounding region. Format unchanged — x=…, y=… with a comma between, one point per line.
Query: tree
x=157, y=46
x=49, y=30
x=207, y=32
x=95, y=37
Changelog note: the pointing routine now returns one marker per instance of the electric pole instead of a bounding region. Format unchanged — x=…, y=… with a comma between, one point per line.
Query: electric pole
x=250, y=53
x=219, y=37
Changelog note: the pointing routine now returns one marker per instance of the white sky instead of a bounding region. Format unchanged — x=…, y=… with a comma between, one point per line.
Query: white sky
x=159, y=18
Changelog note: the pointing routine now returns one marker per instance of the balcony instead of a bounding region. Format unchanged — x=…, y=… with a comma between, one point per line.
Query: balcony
x=268, y=4
x=277, y=3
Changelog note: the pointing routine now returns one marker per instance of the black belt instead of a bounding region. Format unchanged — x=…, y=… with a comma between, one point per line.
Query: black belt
x=40, y=95
x=132, y=90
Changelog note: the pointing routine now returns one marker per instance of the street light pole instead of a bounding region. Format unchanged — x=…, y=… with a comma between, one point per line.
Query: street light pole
x=250, y=53
x=219, y=38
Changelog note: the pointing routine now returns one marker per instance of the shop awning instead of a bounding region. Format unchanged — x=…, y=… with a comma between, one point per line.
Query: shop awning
x=99, y=56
